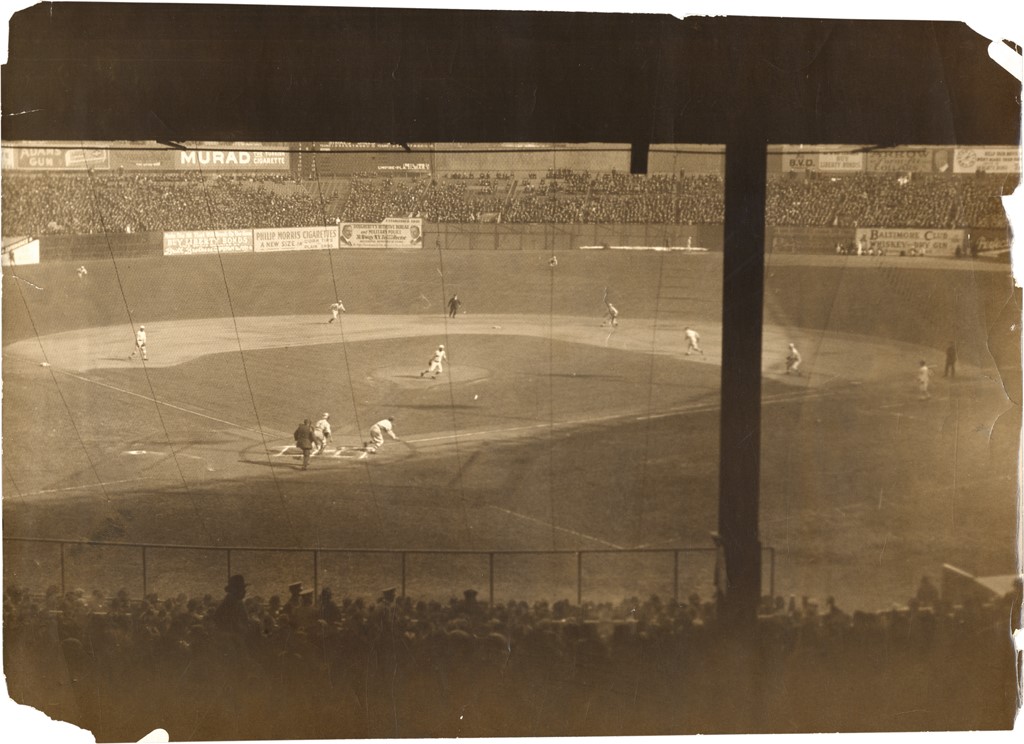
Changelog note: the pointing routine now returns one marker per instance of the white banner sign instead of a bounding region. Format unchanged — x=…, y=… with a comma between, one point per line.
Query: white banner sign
x=393, y=232
x=988, y=159
x=191, y=242
x=907, y=240
x=295, y=238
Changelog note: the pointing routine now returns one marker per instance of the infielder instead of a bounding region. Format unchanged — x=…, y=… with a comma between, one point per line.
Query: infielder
x=82, y=272
x=793, y=360
x=321, y=433
x=692, y=342
x=924, y=377
x=377, y=432
x=140, y=343
x=613, y=315
x=434, y=365
x=336, y=308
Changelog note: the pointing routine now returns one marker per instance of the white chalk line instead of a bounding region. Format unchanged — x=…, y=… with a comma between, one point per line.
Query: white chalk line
x=86, y=485
x=171, y=405
x=548, y=525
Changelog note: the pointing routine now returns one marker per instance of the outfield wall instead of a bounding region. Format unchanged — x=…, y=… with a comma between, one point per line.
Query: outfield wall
x=456, y=237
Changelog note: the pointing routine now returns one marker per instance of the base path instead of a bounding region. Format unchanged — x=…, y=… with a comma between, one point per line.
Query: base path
x=826, y=356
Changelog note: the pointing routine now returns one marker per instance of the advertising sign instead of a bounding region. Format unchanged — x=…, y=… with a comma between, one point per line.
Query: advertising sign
x=987, y=159
x=233, y=159
x=908, y=240
x=133, y=160
x=56, y=158
x=895, y=161
x=193, y=242
x=391, y=233
x=843, y=162
x=295, y=239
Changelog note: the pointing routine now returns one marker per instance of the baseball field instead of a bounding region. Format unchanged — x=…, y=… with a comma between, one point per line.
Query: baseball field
x=546, y=431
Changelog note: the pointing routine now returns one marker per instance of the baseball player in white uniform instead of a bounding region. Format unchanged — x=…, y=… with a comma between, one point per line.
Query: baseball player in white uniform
x=613, y=315
x=924, y=377
x=321, y=433
x=793, y=360
x=336, y=308
x=434, y=365
x=140, y=343
x=82, y=272
x=377, y=432
x=693, y=342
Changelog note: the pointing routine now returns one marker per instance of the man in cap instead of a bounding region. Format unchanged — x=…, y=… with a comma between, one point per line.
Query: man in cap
x=793, y=360
x=453, y=306
x=336, y=308
x=377, y=432
x=231, y=615
x=304, y=440
x=434, y=365
x=692, y=341
x=294, y=598
x=924, y=377
x=140, y=343
x=321, y=433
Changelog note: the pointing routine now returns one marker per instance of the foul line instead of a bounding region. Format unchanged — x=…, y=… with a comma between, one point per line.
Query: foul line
x=86, y=485
x=555, y=527
x=170, y=405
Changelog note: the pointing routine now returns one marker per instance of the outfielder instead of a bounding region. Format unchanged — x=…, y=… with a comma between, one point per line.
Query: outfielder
x=434, y=365
x=140, y=344
x=377, y=432
x=793, y=360
x=321, y=433
x=613, y=315
x=82, y=272
x=692, y=342
x=924, y=377
x=336, y=308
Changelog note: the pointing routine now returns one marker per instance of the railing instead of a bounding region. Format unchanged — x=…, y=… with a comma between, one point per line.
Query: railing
x=316, y=554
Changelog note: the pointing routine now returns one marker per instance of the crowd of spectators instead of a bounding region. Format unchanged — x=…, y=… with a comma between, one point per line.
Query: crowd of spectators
x=395, y=666
x=78, y=204
x=889, y=200
x=61, y=203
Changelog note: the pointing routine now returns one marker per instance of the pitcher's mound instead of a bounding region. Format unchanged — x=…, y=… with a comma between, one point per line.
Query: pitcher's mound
x=410, y=376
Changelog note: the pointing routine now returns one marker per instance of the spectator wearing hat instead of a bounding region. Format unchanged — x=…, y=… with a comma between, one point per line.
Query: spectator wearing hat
x=304, y=440
x=305, y=615
x=231, y=615
x=329, y=610
x=294, y=599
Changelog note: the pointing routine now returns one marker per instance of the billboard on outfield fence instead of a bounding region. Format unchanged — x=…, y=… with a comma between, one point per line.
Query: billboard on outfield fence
x=920, y=241
x=987, y=159
x=394, y=232
x=834, y=162
x=232, y=159
x=56, y=158
x=192, y=242
x=295, y=238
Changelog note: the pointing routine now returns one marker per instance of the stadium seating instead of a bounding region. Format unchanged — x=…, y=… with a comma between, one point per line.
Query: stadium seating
x=60, y=203
x=353, y=665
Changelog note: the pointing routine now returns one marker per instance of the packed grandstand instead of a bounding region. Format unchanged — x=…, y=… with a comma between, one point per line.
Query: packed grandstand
x=221, y=666
x=318, y=191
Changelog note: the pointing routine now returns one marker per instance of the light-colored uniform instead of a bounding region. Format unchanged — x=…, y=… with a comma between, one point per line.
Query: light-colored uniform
x=435, y=365
x=924, y=377
x=613, y=314
x=321, y=433
x=377, y=432
x=692, y=342
x=81, y=271
x=140, y=343
x=336, y=308
x=793, y=360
